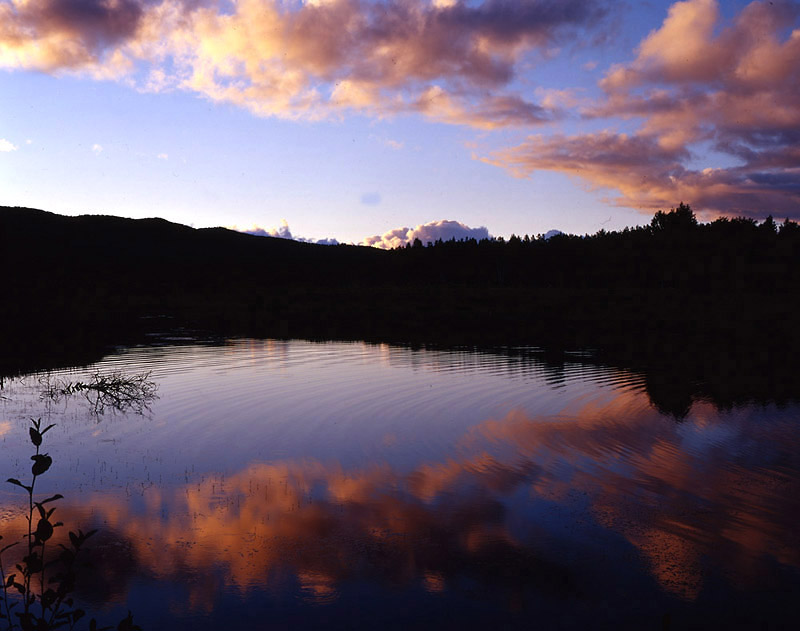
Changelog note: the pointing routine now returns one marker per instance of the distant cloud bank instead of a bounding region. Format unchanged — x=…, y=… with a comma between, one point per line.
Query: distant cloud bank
x=428, y=232
x=284, y=232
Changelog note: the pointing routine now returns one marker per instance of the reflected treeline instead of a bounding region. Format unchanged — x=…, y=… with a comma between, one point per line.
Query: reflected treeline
x=607, y=513
x=673, y=383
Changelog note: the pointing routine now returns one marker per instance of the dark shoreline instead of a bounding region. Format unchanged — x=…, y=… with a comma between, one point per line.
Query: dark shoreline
x=706, y=309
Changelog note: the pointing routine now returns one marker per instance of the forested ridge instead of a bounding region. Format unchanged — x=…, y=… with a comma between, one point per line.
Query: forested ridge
x=730, y=281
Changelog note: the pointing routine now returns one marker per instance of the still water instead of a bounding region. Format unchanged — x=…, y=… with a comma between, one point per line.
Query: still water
x=300, y=485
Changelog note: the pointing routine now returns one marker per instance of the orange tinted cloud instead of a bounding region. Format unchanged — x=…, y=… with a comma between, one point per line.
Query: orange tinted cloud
x=676, y=493
x=66, y=34
x=450, y=61
x=696, y=83
x=648, y=175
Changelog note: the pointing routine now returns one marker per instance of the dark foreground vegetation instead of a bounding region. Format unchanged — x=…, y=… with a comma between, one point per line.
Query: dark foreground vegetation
x=702, y=299
x=37, y=595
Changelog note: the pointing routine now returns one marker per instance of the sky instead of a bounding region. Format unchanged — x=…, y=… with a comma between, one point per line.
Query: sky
x=378, y=121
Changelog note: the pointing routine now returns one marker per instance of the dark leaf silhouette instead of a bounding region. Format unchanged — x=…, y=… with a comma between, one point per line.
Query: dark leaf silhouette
x=41, y=463
x=36, y=437
x=53, y=498
x=44, y=530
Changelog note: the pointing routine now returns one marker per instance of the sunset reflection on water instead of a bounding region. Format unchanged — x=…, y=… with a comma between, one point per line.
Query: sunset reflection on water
x=598, y=500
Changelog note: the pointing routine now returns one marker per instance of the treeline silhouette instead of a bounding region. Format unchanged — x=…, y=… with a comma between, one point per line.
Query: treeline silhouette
x=673, y=252
x=696, y=297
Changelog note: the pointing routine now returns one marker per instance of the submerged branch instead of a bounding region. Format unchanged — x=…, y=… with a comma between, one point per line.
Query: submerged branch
x=116, y=390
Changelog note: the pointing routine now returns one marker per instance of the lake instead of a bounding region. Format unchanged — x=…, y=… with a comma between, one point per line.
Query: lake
x=322, y=485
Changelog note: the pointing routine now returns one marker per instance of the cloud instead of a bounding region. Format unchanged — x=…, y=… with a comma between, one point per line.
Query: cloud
x=56, y=34
x=695, y=83
x=163, y=156
x=6, y=146
x=649, y=176
x=281, y=232
x=461, y=515
x=97, y=149
x=605, y=160
x=451, y=61
x=429, y=232
x=284, y=232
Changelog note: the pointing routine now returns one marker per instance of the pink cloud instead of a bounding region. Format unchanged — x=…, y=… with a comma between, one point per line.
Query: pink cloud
x=305, y=59
x=694, y=80
x=56, y=34
x=649, y=176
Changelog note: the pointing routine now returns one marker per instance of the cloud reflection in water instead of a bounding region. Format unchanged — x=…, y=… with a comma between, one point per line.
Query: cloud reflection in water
x=612, y=494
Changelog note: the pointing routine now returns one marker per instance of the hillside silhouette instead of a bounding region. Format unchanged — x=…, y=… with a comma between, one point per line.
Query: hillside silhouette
x=692, y=298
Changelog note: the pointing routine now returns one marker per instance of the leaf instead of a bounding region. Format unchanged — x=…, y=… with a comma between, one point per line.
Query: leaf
x=49, y=427
x=41, y=463
x=44, y=530
x=33, y=562
x=36, y=437
x=55, y=497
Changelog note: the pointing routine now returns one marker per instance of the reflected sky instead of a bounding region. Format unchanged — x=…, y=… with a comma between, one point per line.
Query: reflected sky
x=350, y=485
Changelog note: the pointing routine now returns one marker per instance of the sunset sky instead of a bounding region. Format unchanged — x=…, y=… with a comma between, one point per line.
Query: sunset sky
x=360, y=120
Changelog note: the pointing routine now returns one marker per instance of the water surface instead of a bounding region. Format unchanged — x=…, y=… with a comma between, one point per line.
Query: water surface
x=291, y=484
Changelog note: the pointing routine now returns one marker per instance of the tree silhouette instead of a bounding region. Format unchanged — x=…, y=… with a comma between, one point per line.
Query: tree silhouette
x=678, y=219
